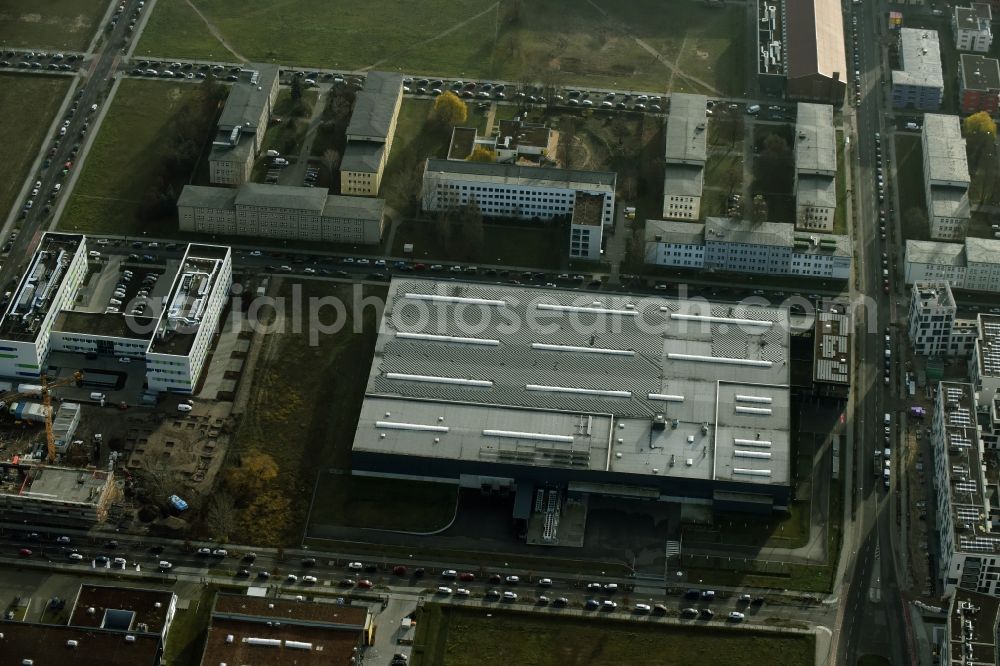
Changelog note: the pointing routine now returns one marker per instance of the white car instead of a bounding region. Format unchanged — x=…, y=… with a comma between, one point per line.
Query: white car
x=255, y=253
x=291, y=578
x=449, y=573
x=462, y=592
x=509, y=596
x=607, y=604
x=204, y=551
x=545, y=582
x=355, y=566
x=513, y=580
x=642, y=608
x=218, y=552
x=444, y=590
x=611, y=587
x=309, y=579
x=736, y=616
x=165, y=566
x=76, y=557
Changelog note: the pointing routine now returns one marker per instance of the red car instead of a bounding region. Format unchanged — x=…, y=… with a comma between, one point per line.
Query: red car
x=365, y=584
x=24, y=552
x=466, y=576
x=399, y=570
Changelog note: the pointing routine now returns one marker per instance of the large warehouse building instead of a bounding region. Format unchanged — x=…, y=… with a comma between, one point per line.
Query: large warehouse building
x=512, y=388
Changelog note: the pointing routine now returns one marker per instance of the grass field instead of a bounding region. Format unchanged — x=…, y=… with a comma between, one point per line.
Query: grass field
x=416, y=139
x=306, y=398
x=22, y=133
x=378, y=503
x=558, y=41
x=449, y=636
x=127, y=161
x=68, y=25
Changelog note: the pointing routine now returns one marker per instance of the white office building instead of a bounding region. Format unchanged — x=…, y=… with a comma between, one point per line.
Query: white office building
x=685, y=156
x=587, y=198
x=973, y=264
x=971, y=27
x=738, y=246
x=815, y=168
x=969, y=549
x=184, y=332
x=934, y=327
x=60, y=306
x=47, y=286
x=946, y=177
x=919, y=83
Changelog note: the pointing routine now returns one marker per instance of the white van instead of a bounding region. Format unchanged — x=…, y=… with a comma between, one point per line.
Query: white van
x=888, y=417
x=183, y=408
x=96, y=395
x=753, y=109
x=912, y=126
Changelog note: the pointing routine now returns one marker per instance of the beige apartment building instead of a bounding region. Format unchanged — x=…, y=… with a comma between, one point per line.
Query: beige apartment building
x=279, y=211
x=241, y=127
x=370, y=133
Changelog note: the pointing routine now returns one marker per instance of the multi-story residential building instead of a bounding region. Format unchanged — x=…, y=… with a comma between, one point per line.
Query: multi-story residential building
x=934, y=328
x=685, y=156
x=725, y=244
x=241, y=127
x=973, y=264
x=587, y=198
x=971, y=28
x=984, y=366
x=185, y=329
x=370, y=133
x=919, y=83
x=971, y=630
x=946, y=177
x=172, y=335
x=280, y=211
x=48, y=285
x=815, y=167
x=979, y=77
x=969, y=551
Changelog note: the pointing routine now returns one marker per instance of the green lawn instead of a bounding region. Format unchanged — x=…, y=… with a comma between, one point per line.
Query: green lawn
x=558, y=41
x=910, y=180
x=416, y=139
x=448, y=636
x=126, y=164
x=378, y=503
x=724, y=171
x=21, y=133
x=51, y=24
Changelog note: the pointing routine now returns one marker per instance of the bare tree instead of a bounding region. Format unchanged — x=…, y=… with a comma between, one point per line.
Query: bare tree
x=221, y=515
x=331, y=160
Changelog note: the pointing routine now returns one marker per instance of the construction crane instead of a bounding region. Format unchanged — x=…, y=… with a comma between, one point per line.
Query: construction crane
x=46, y=396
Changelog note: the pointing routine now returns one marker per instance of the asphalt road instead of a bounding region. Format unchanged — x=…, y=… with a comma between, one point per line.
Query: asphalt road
x=873, y=621
x=96, y=73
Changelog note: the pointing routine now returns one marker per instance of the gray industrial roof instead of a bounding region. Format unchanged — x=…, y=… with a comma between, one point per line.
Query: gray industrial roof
x=932, y=252
x=979, y=72
x=945, y=149
x=40, y=282
x=817, y=191
x=920, y=56
x=239, y=153
x=281, y=196
x=354, y=208
x=200, y=196
x=686, y=233
x=730, y=230
x=362, y=156
x=374, y=106
x=687, y=129
x=525, y=175
x=982, y=250
x=247, y=100
x=523, y=360
x=949, y=202
x=683, y=180
x=815, y=140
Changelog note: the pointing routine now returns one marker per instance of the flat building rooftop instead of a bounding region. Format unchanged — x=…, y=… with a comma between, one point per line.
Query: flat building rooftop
x=44, y=275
